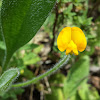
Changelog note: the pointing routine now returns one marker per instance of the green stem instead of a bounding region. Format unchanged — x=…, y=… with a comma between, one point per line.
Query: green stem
x=63, y=61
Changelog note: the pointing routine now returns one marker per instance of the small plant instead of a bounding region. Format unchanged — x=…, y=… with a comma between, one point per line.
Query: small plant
x=19, y=22
x=19, y=25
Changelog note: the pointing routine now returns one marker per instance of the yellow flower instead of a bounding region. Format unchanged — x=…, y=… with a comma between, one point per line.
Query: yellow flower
x=72, y=40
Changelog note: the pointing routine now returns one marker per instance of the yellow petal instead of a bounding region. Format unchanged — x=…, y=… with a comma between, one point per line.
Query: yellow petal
x=64, y=38
x=78, y=38
x=68, y=50
x=71, y=48
x=75, y=51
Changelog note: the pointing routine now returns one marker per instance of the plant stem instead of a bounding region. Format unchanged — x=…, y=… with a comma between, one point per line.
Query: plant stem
x=62, y=62
x=54, y=26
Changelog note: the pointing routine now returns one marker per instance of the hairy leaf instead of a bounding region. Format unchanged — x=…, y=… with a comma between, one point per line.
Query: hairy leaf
x=7, y=78
x=77, y=76
x=21, y=19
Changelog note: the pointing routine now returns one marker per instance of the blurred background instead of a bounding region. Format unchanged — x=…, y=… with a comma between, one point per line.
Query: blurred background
x=41, y=53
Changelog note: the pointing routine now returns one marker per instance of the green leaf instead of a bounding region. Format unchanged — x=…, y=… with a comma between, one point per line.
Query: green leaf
x=56, y=91
x=77, y=76
x=98, y=35
x=29, y=47
x=88, y=94
x=21, y=19
x=2, y=52
x=12, y=94
x=7, y=78
x=31, y=58
x=28, y=73
x=75, y=97
x=56, y=94
x=57, y=78
x=2, y=45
